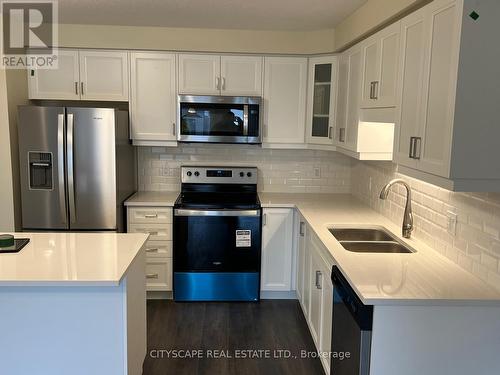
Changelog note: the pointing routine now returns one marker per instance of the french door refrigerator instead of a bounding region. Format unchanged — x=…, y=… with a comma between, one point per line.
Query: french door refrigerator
x=77, y=167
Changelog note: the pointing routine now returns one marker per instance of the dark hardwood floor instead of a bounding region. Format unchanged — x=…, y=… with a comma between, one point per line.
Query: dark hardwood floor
x=224, y=331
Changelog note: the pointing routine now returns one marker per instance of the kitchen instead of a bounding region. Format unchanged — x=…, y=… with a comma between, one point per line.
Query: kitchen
x=284, y=203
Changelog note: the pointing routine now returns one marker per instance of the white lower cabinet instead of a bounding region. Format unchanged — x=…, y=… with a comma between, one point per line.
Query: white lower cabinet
x=277, y=249
x=316, y=292
x=157, y=222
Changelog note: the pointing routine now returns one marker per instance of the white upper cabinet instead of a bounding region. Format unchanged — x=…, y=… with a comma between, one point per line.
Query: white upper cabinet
x=205, y=74
x=152, y=97
x=199, y=74
x=411, y=78
x=104, y=75
x=381, y=62
x=241, y=75
x=61, y=83
x=277, y=249
x=83, y=75
x=448, y=96
x=321, y=97
x=285, y=86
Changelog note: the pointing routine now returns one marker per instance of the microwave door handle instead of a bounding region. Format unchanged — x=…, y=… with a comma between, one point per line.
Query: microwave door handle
x=245, y=120
x=60, y=166
x=70, y=168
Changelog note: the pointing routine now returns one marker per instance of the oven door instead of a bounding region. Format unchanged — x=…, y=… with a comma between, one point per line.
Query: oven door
x=217, y=255
x=213, y=240
x=219, y=119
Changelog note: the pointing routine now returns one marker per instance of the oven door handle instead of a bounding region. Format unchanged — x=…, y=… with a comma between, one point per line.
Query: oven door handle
x=187, y=212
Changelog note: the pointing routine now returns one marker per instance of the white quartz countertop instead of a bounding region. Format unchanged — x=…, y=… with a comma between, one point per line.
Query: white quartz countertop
x=421, y=278
x=71, y=259
x=152, y=199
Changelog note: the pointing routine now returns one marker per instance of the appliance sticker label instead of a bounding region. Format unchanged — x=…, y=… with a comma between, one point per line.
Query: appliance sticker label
x=243, y=238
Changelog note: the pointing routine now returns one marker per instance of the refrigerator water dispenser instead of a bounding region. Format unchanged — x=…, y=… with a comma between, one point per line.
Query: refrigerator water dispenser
x=40, y=170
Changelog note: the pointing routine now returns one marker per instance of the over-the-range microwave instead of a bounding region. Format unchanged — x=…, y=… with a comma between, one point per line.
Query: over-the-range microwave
x=219, y=119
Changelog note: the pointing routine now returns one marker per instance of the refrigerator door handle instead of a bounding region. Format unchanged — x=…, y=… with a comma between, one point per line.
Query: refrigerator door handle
x=60, y=166
x=70, y=169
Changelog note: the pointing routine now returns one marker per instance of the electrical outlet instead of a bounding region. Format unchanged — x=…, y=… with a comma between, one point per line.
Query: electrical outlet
x=452, y=222
x=317, y=172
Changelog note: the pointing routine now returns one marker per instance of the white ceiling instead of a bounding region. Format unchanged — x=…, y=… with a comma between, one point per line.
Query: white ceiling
x=221, y=14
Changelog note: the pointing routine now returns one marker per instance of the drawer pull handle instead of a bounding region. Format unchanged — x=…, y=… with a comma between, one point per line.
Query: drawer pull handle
x=151, y=276
x=151, y=216
x=152, y=250
x=152, y=233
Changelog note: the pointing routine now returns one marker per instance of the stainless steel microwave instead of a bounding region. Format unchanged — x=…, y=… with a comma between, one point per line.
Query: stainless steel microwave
x=219, y=119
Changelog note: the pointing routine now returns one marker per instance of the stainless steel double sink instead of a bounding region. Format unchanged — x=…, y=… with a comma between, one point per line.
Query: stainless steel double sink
x=369, y=240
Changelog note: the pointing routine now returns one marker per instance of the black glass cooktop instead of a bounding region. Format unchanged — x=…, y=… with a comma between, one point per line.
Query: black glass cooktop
x=235, y=201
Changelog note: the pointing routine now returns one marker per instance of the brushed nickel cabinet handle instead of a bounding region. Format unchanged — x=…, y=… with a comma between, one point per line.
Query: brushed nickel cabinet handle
x=76, y=88
x=152, y=250
x=318, y=283
x=151, y=216
x=82, y=88
x=301, y=229
x=173, y=129
x=375, y=90
x=152, y=276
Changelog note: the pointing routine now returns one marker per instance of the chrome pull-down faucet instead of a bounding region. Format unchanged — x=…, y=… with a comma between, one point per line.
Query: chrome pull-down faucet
x=408, y=215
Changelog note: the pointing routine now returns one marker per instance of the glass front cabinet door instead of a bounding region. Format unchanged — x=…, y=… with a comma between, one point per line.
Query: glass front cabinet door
x=321, y=100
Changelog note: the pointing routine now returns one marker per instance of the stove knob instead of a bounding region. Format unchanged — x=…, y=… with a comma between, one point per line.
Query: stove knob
x=189, y=173
x=242, y=174
x=249, y=174
x=196, y=173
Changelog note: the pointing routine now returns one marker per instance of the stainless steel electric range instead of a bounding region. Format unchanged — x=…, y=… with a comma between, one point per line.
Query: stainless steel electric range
x=217, y=235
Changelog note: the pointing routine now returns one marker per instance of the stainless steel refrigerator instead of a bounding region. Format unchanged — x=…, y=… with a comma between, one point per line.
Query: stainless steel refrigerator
x=77, y=168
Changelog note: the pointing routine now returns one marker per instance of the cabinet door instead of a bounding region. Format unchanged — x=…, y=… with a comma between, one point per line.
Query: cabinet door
x=277, y=248
x=104, y=75
x=321, y=100
x=380, y=72
x=241, y=75
x=371, y=77
x=62, y=83
x=285, y=85
x=385, y=90
x=326, y=315
x=348, y=135
x=301, y=260
x=199, y=74
x=153, y=96
x=439, y=88
x=410, y=91
x=343, y=80
x=317, y=277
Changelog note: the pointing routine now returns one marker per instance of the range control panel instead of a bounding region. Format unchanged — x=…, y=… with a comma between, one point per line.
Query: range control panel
x=218, y=175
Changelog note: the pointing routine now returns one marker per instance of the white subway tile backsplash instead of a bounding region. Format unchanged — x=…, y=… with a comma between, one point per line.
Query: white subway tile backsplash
x=291, y=171
x=476, y=246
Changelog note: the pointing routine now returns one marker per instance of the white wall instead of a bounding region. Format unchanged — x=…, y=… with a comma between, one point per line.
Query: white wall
x=6, y=187
x=476, y=245
x=290, y=171
x=368, y=17
x=190, y=39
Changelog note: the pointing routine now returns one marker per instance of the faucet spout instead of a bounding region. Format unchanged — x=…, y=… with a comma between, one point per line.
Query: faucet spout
x=408, y=214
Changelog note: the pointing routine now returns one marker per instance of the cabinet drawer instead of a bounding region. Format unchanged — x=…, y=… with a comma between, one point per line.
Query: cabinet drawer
x=149, y=215
x=158, y=249
x=157, y=232
x=159, y=275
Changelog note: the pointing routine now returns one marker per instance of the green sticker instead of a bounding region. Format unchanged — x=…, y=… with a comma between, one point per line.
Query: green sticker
x=474, y=15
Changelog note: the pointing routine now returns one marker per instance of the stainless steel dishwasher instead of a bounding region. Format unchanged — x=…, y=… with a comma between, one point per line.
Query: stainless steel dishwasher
x=351, y=329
